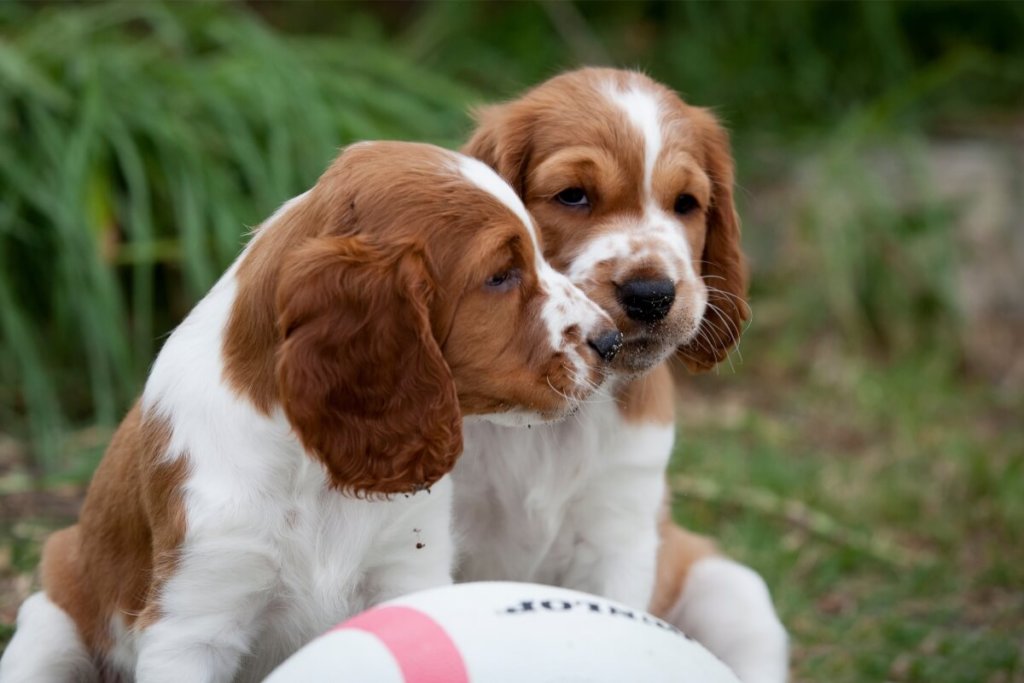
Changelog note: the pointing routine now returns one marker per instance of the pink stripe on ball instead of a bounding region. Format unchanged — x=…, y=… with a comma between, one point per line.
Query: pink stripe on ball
x=424, y=651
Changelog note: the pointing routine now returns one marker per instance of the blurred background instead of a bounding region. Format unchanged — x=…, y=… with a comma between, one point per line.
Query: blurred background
x=864, y=450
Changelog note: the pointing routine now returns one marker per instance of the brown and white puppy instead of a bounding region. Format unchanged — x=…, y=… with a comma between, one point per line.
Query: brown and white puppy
x=632, y=189
x=244, y=503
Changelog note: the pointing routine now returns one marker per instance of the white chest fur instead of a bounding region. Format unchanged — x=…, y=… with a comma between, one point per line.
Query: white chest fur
x=561, y=503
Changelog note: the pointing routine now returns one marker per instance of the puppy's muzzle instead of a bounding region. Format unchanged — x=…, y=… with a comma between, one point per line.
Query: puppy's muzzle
x=606, y=343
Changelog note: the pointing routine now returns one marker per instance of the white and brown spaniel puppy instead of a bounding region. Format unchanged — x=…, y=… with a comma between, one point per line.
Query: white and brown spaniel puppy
x=632, y=190
x=285, y=466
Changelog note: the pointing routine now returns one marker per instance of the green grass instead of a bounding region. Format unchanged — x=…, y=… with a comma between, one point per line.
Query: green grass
x=882, y=504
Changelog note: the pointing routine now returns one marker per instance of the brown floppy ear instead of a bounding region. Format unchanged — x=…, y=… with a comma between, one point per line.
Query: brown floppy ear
x=360, y=375
x=502, y=141
x=723, y=266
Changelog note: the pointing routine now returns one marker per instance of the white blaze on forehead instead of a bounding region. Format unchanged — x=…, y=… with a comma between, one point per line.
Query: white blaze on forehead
x=642, y=109
x=481, y=175
x=565, y=304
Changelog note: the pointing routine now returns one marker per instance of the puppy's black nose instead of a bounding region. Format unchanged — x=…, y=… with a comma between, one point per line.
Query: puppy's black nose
x=647, y=301
x=606, y=343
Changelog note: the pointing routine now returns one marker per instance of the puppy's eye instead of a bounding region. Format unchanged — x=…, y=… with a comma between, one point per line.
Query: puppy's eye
x=573, y=196
x=685, y=203
x=503, y=281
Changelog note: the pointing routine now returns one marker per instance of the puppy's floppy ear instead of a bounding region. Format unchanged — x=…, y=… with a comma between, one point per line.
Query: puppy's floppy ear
x=502, y=141
x=360, y=375
x=723, y=267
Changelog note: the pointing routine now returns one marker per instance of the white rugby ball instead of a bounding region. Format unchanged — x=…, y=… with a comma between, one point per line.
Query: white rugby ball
x=500, y=632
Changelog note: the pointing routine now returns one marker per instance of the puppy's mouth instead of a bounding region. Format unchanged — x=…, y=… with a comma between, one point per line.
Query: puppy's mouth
x=646, y=346
x=642, y=350
x=640, y=354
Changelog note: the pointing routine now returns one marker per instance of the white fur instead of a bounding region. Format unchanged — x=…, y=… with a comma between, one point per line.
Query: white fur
x=484, y=177
x=572, y=503
x=46, y=647
x=656, y=242
x=644, y=112
x=726, y=606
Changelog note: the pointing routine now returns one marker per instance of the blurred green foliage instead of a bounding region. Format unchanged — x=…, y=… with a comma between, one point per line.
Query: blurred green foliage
x=770, y=68
x=141, y=139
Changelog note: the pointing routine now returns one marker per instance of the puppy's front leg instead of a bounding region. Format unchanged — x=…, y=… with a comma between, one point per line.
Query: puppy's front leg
x=206, y=615
x=614, y=523
x=614, y=556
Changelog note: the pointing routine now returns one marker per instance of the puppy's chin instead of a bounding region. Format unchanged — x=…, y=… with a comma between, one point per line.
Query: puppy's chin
x=642, y=353
x=639, y=356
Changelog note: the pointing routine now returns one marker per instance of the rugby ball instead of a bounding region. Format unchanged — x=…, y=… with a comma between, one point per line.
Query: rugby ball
x=500, y=632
